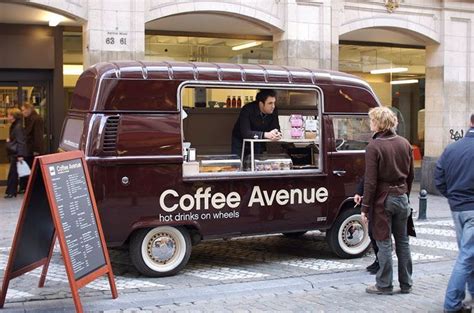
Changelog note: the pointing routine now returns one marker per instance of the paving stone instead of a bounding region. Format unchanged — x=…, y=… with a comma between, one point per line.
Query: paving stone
x=253, y=274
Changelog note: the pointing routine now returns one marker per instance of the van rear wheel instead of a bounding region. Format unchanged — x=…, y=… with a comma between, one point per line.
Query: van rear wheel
x=160, y=251
x=349, y=236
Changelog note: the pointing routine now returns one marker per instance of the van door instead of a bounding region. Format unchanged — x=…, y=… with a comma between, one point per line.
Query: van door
x=347, y=165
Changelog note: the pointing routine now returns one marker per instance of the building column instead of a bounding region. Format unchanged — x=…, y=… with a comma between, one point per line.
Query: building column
x=306, y=41
x=449, y=89
x=115, y=30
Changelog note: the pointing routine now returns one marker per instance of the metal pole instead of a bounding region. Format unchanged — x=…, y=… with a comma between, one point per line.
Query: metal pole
x=422, y=206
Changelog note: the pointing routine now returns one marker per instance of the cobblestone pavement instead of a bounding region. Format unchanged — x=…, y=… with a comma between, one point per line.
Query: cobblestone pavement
x=261, y=273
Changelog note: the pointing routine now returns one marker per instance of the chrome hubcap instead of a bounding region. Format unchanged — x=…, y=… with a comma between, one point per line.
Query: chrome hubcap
x=353, y=233
x=161, y=248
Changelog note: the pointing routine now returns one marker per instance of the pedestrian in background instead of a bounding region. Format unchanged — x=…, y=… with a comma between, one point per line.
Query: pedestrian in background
x=34, y=130
x=16, y=150
x=387, y=183
x=454, y=178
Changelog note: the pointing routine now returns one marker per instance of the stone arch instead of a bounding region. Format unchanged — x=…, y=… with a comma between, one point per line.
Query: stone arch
x=427, y=34
x=251, y=13
x=76, y=11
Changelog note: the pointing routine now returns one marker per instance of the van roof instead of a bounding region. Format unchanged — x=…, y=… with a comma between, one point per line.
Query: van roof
x=225, y=72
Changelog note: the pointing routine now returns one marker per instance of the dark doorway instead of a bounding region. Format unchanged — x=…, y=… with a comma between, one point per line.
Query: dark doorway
x=16, y=88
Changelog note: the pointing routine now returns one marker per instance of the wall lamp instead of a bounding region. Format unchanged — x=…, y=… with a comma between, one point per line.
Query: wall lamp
x=389, y=70
x=54, y=20
x=247, y=45
x=404, y=81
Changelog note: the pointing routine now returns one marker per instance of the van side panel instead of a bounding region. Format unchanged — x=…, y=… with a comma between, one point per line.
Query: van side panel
x=147, y=201
x=122, y=205
x=148, y=95
x=83, y=96
x=149, y=134
x=348, y=99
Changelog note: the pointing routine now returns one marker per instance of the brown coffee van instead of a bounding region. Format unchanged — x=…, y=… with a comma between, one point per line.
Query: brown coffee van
x=157, y=140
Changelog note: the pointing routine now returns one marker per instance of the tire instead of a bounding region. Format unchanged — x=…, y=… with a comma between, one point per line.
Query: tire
x=172, y=250
x=344, y=243
x=296, y=234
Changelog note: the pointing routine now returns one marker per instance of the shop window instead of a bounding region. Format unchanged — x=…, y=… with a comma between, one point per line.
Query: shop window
x=351, y=132
x=209, y=116
x=187, y=48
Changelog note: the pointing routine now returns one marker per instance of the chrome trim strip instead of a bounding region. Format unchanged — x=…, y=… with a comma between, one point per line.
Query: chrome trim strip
x=349, y=79
x=148, y=157
x=89, y=132
x=251, y=175
x=346, y=152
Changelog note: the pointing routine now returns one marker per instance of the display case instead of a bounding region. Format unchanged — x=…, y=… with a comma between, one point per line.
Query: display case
x=219, y=163
x=269, y=162
x=302, y=157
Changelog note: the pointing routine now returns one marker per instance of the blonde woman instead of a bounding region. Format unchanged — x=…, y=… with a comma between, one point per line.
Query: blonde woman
x=388, y=181
x=16, y=150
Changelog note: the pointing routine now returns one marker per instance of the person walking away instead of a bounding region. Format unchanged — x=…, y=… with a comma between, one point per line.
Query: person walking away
x=454, y=178
x=16, y=150
x=34, y=130
x=387, y=182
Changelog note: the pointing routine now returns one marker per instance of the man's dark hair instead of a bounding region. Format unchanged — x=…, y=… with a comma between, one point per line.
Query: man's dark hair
x=263, y=94
x=472, y=119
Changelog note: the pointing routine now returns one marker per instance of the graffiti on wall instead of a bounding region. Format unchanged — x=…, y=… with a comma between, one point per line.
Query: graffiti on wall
x=456, y=135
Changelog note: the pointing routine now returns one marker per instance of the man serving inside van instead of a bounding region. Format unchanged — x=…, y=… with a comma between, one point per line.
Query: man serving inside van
x=257, y=120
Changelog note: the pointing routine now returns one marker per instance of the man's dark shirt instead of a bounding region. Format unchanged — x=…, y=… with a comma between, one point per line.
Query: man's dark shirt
x=454, y=173
x=252, y=123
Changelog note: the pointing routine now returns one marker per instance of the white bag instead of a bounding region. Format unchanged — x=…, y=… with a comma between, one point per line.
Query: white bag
x=23, y=169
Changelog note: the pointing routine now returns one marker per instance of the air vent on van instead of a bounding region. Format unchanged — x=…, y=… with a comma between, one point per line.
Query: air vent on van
x=109, y=144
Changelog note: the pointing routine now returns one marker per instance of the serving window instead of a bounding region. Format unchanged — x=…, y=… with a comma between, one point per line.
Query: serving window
x=209, y=114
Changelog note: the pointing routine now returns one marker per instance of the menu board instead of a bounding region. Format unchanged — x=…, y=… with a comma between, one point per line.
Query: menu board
x=77, y=217
x=38, y=228
x=59, y=203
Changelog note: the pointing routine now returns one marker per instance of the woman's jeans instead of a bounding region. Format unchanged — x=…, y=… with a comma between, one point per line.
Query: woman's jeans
x=463, y=271
x=397, y=211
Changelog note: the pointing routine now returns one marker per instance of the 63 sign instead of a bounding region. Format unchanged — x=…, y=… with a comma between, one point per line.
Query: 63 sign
x=116, y=41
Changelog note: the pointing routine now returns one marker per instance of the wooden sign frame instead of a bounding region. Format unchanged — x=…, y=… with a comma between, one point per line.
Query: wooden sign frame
x=40, y=185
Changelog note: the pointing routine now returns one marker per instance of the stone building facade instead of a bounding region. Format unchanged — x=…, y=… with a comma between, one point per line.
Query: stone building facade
x=307, y=33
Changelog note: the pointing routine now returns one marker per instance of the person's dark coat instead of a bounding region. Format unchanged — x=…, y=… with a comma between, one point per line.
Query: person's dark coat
x=34, y=130
x=252, y=124
x=388, y=171
x=454, y=173
x=16, y=147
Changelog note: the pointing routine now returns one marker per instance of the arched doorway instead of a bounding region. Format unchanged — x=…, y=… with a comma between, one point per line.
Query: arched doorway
x=393, y=61
x=211, y=35
x=31, y=67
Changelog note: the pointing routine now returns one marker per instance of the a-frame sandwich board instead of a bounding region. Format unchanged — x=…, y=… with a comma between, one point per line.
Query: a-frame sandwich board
x=59, y=202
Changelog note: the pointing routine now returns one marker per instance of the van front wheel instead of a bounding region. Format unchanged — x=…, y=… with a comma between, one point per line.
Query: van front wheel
x=160, y=251
x=349, y=236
